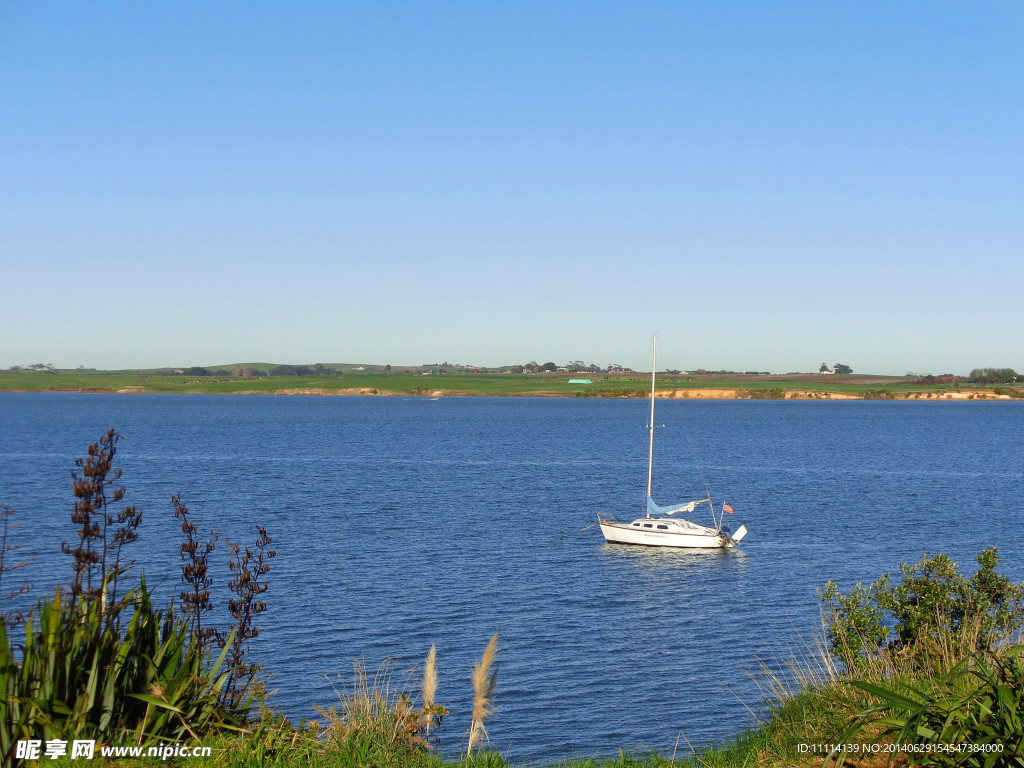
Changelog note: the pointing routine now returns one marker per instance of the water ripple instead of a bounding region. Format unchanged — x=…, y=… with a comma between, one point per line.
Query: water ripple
x=405, y=522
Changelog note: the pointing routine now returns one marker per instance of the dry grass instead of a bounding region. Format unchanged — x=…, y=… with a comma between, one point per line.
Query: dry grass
x=807, y=666
x=376, y=717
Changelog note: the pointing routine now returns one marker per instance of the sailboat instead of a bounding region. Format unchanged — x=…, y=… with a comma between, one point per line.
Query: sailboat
x=657, y=528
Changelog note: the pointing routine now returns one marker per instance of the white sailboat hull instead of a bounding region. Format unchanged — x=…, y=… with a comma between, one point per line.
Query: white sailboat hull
x=658, y=532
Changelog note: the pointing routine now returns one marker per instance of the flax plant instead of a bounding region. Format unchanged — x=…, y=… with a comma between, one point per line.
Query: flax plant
x=247, y=567
x=485, y=679
x=98, y=559
x=10, y=618
x=82, y=672
x=195, y=575
x=976, y=707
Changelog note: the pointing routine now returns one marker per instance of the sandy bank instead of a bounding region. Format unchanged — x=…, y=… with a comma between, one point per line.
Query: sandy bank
x=670, y=394
x=802, y=394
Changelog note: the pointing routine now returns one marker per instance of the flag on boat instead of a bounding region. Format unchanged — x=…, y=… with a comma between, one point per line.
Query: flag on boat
x=727, y=508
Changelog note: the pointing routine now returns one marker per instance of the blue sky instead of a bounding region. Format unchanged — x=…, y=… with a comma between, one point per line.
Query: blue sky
x=767, y=185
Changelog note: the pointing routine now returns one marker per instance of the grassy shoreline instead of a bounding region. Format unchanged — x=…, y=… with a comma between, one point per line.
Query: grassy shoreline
x=375, y=383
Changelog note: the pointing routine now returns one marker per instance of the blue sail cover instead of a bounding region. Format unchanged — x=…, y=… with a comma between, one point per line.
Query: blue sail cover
x=654, y=510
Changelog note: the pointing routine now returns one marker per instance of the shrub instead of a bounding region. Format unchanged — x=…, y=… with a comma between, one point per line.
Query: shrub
x=934, y=607
x=10, y=618
x=878, y=394
x=248, y=567
x=766, y=393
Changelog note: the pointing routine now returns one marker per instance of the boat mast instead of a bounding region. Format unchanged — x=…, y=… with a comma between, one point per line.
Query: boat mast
x=650, y=426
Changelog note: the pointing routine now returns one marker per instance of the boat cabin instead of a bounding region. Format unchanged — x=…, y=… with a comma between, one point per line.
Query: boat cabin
x=667, y=526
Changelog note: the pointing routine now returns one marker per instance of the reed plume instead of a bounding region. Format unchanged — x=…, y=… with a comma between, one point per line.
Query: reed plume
x=484, y=681
x=430, y=678
x=431, y=715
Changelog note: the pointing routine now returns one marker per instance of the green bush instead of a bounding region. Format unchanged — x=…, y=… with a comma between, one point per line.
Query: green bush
x=855, y=624
x=934, y=609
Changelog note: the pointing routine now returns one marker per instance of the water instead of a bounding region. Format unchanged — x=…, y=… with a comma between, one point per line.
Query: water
x=401, y=522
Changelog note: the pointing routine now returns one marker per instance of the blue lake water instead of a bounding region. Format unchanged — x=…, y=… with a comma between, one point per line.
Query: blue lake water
x=401, y=522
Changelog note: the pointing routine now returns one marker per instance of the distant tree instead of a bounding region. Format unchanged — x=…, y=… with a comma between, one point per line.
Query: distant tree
x=387, y=368
x=992, y=376
x=292, y=370
x=842, y=368
x=824, y=367
x=549, y=367
x=322, y=370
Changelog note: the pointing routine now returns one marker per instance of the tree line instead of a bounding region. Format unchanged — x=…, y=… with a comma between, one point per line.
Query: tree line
x=247, y=372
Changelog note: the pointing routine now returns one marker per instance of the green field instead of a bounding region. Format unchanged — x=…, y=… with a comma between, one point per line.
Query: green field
x=376, y=381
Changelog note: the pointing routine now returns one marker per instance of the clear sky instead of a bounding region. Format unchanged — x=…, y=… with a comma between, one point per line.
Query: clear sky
x=767, y=185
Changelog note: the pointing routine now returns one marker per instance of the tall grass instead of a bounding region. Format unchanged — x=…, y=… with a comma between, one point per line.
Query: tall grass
x=379, y=723
x=802, y=701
